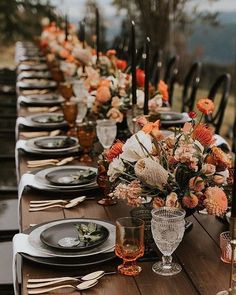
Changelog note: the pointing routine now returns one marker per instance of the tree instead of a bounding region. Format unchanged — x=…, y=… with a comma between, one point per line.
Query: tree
x=21, y=18
x=162, y=19
x=90, y=21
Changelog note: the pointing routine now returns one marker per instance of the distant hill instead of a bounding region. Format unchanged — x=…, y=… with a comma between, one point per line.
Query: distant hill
x=218, y=43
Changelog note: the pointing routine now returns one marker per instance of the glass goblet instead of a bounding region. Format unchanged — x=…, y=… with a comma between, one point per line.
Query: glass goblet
x=106, y=132
x=86, y=135
x=104, y=184
x=168, y=226
x=57, y=75
x=129, y=244
x=70, y=110
x=66, y=90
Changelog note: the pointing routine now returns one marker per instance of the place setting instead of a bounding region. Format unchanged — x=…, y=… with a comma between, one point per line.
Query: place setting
x=43, y=121
x=47, y=99
x=71, y=243
x=27, y=83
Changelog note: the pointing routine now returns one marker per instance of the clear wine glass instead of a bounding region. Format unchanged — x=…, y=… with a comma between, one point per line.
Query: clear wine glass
x=81, y=98
x=168, y=226
x=106, y=132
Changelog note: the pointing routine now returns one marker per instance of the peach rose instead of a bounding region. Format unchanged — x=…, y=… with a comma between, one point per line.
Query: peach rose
x=218, y=179
x=103, y=94
x=208, y=169
x=206, y=106
x=172, y=200
x=190, y=201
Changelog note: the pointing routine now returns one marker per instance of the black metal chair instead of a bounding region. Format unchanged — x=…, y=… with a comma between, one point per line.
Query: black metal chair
x=156, y=67
x=222, y=83
x=170, y=75
x=191, y=83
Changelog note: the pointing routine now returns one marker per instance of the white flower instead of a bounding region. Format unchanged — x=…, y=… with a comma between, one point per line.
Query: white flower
x=115, y=168
x=133, y=150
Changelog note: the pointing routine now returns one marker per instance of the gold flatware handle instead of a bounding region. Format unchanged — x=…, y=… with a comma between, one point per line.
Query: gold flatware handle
x=49, y=283
x=45, y=208
x=46, y=290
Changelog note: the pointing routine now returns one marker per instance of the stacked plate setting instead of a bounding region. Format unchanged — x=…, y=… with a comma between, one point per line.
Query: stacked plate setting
x=44, y=238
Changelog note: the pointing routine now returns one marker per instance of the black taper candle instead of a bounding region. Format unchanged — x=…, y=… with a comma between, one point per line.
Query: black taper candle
x=146, y=85
x=133, y=64
x=66, y=27
x=97, y=34
x=82, y=33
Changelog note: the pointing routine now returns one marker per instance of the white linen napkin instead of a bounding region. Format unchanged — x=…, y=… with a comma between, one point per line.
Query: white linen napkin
x=19, y=121
x=20, y=144
x=22, y=245
x=25, y=180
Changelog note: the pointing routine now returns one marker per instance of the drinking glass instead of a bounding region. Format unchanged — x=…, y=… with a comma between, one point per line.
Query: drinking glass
x=86, y=134
x=168, y=226
x=106, y=132
x=70, y=110
x=65, y=89
x=226, y=249
x=132, y=116
x=129, y=244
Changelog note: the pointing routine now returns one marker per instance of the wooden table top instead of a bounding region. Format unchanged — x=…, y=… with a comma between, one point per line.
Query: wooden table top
x=199, y=252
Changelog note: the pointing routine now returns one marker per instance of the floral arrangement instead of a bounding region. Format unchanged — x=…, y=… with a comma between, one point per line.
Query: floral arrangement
x=185, y=169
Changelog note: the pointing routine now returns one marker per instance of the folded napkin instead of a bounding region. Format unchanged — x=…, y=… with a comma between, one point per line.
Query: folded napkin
x=20, y=121
x=37, y=109
x=20, y=144
x=22, y=245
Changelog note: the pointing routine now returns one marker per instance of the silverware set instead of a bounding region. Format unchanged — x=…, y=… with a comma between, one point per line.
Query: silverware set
x=40, y=286
x=34, y=134
x=46, y=162
x=47, y=204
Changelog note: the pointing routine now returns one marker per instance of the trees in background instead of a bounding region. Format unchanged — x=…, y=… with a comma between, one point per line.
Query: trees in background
x=21, y=18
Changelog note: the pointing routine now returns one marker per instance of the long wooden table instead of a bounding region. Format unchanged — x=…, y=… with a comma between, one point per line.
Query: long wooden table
x=199, y=252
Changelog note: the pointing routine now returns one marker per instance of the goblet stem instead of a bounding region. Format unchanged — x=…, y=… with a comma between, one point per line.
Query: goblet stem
x=129, y=268
x=167, y=261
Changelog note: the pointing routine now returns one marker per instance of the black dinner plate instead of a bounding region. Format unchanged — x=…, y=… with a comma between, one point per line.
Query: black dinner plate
x=69, y=262
x=171, y=116
x=55, y=143
x=54, y=234
x=45, y=119
x=73, y=176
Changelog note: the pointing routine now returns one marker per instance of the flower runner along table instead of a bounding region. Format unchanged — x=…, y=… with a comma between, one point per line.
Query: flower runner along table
x=199, y=253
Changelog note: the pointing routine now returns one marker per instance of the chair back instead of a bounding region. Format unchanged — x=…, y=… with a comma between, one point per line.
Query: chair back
x=222, y=83
x=170, y=75
x=191, y=83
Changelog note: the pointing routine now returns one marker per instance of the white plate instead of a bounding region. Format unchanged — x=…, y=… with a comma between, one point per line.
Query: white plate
x=29, y=121
x=108, y=245
x=41, y=181
x=184, y=119
x=41, y=99
x=31, y=147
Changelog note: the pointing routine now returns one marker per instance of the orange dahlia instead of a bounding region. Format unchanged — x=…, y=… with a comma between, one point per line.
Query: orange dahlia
x=203, y=134
x=121, y=64
x=163, y=89
x=190, y=201
x=206, y=106
x=140, y=77
x=111, y=52
x=216, y=201
x=114, y=151
x=219, y=158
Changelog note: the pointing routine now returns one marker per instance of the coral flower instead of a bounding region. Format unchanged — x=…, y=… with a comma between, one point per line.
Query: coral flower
x=203, y=134
x=140, y=77
x=219, y=158
x=142, y=121
x=190, y=201
x=64, y=53
x=111, y=52
x=150, y=126
x=121, y=64
x=196, y=184
x=103, y=94
x=216, y=201
x=114, y=151
x=163, y=89
x=206, y=106
x=104, y=82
